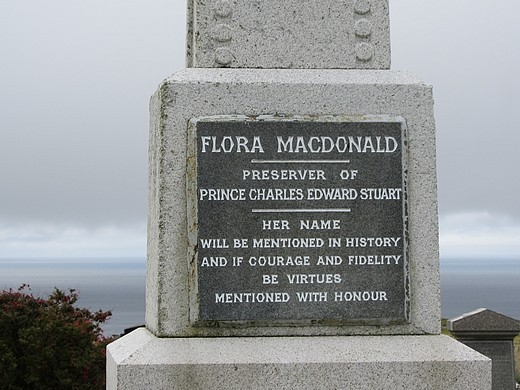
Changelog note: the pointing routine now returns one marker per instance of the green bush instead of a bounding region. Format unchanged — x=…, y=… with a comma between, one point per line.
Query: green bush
x=50, y=343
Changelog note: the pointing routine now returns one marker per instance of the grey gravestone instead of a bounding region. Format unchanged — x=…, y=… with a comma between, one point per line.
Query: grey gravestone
x=491, y=334
x=292, y=193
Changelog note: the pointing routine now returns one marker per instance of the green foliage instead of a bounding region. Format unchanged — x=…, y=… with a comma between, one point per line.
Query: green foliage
x=444, y=329
x=50, y=343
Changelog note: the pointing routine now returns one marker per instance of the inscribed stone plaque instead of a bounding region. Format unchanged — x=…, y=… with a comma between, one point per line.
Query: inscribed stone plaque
x=298, y=220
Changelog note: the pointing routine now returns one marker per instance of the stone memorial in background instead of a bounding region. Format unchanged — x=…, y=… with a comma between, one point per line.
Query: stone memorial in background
x=292, y=193
x=492, y=334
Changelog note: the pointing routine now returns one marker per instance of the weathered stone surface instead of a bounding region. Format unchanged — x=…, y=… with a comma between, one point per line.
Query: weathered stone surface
x=327, y=34
x=196, y=93
x=142, y=361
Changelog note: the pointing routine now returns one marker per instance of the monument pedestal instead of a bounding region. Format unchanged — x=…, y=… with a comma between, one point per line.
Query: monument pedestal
x=292, y=226
x=304, y=96
x=141, y=360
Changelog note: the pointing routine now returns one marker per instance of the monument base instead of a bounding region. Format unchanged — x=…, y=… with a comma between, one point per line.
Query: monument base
x=141, y=360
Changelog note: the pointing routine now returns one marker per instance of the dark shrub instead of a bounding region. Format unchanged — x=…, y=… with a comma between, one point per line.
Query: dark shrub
x=50, y=343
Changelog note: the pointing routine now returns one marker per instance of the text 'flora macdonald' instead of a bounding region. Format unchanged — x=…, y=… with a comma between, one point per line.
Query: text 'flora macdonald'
x=298, y=221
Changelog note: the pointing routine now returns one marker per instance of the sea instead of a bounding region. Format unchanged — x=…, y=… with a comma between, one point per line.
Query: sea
x=115, y=284
x=118, y=285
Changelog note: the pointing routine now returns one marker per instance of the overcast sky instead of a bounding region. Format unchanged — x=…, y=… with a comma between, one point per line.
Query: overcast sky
x=76, y=76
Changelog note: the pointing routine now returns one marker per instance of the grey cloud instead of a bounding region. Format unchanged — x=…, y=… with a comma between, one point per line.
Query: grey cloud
x=76, y=78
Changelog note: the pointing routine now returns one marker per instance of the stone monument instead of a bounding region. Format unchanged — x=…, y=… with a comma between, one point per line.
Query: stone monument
x=292, y=193
x=491, y=334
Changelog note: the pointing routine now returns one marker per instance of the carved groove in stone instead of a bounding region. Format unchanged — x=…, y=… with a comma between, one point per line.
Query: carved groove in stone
x=223, y=56
x=363, y=28
x=222, y=33
x=223, y=9
x=362, y=7
x=364, y=51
